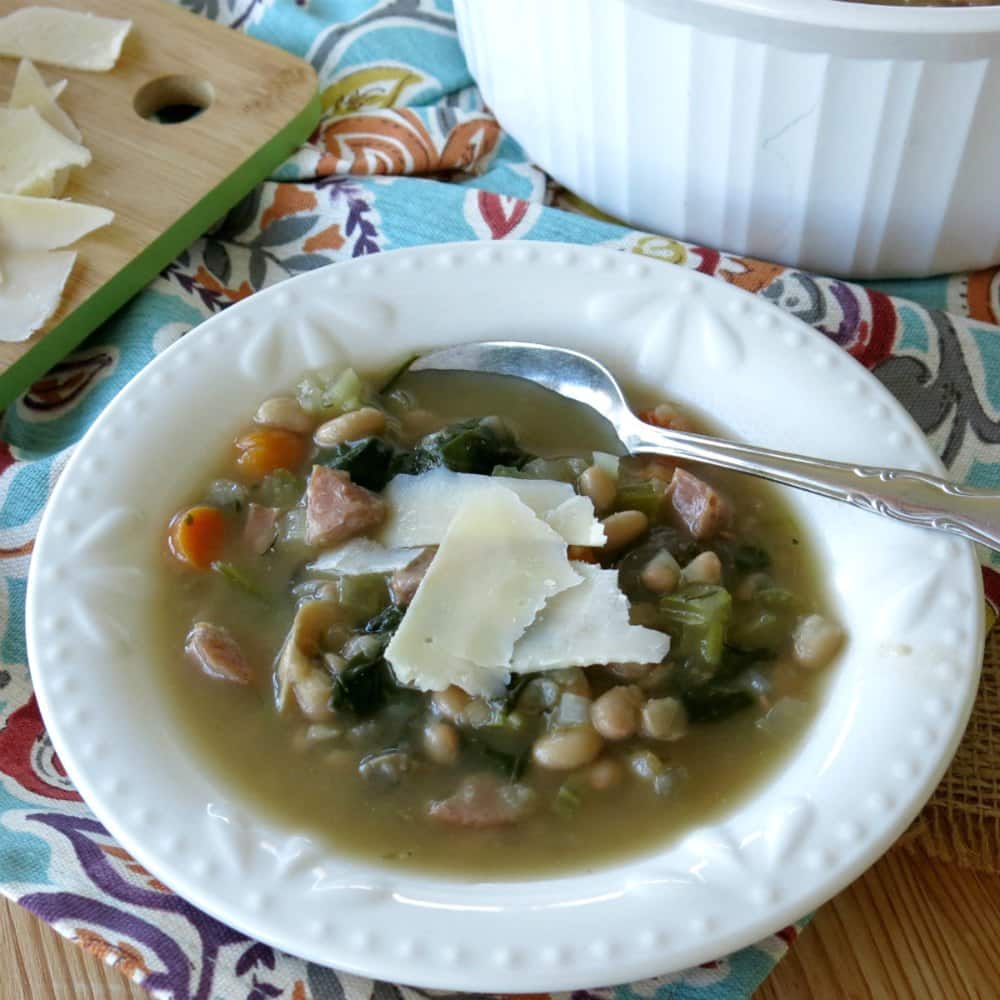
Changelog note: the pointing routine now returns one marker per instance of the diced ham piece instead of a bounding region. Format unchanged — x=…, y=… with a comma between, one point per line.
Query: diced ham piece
x=404, y=582
x=259, y=530
x=703, y=509
x=337, y=509
x=481, y=802
x=217, y=653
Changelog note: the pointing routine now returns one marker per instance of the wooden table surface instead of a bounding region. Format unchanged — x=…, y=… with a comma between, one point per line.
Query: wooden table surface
x=909, y=927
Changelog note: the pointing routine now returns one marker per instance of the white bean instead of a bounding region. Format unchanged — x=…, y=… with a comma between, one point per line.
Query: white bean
x=600, y=486
x=624, y=528
x=664, y=719
x=629, y=671
x=604, y=774
x=350, y=427
x=567, y=749
x=816, y=641
x=615, y=715
x=284, y=412
x=667, y=415
x=704, y=568
x=313, y=692
x=441, y=743
x=661, y=573
x=477, y=713
x=450, y=703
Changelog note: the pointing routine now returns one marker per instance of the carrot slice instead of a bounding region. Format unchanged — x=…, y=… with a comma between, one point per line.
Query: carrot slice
x=268, y=449
x=197, y=536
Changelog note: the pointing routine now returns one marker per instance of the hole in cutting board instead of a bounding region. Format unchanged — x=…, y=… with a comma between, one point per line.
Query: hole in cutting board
x=171, y=100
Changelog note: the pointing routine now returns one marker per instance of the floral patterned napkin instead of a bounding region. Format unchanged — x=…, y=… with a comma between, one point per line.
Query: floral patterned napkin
x=406, y=154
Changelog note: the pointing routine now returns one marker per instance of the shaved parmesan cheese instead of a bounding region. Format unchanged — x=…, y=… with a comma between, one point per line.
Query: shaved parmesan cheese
x=31, y=151
x=30, y=91
x=56, y=89
x=420, y=508
x=573, y=519
x=360, y=556
x=46, y=224
x=585, y=625
x=31, y=289
x=63, y=37
x=497, y=566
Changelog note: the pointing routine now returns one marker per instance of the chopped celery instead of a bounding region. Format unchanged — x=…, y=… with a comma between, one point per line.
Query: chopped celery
x=240, y=579
x=713, y=641
x=696, y=604
x=697, y=616
x=564, y=470
x=329, y=393
x=226, y=494
x=292, y=526
x=761, y=629
x=777, y=599
x=767, y=620
x=641, y=494
x=363, y=596
x=280, y=488
x=567, y=801
x=345, y=394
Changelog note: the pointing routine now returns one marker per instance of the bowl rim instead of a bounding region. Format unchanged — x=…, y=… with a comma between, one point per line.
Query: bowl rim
x=847, y=15
x=242, y=893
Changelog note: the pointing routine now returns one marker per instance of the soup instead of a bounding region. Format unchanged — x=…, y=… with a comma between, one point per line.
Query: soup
x=445, y=627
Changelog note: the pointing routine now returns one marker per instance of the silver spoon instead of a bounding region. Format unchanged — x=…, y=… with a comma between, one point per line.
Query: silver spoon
x=913, y=497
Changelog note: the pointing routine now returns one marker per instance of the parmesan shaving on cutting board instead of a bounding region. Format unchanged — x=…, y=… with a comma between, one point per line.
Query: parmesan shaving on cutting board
x=32, y=151
x=45, y=223
x=420, y=508
x=497, y=566
x=586, y=625
x=31, y=289
x=63, y=37
x=39, y=146
x=30, y=91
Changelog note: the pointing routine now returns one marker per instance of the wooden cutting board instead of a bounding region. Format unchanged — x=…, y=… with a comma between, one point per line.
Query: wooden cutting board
x=166, y=183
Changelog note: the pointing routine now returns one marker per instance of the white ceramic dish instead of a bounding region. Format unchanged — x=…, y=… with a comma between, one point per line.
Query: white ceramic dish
x=896, y=706
x=846, y=138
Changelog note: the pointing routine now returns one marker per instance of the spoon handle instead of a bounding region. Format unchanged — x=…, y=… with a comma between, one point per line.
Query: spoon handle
x=913, y=497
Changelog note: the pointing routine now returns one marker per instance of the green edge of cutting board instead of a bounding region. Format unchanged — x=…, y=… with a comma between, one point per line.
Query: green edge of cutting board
x=132, y=278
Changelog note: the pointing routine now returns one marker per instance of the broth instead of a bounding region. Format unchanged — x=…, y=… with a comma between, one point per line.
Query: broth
x=313, y=787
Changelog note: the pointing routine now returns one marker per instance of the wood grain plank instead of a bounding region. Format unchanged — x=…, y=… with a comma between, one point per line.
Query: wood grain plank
x=911, y=927
x=37, y=963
